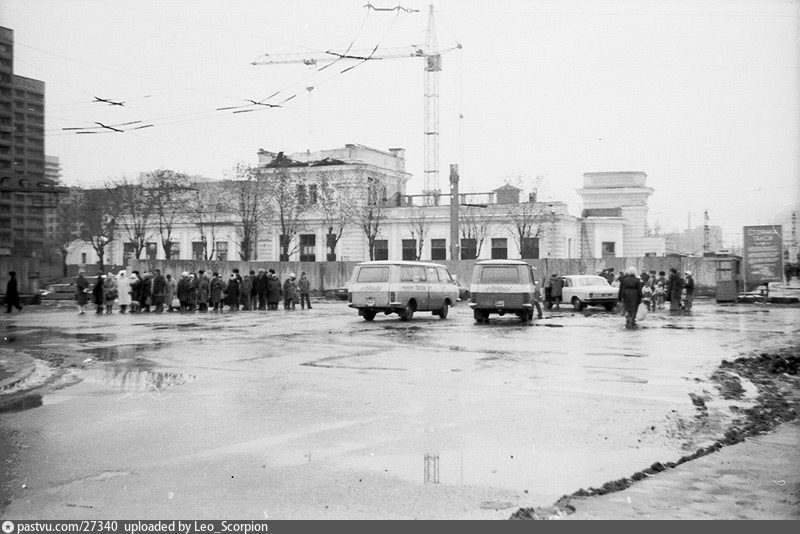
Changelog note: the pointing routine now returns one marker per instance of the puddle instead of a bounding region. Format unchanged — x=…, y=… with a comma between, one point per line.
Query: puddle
x=92, y=338
x=407, y=334
x=534, y=471
x=137, y=378
x=26, y=402
x=121, y=352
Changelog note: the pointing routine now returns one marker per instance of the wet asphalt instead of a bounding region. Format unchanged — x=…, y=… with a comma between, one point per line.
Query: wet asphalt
x=320, y=414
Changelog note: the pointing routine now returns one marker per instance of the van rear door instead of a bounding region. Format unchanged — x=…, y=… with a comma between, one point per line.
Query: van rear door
x=370, y=286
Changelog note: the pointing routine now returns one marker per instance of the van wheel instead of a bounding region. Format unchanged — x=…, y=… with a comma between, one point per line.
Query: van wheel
x=526, y=316
x=609, y=307
x=369, y=315
x=480, y=316
x=407, y=313
x=444, y=310
x=577, y=304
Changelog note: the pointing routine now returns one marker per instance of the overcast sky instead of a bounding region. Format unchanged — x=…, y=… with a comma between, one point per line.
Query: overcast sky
x=701, y=96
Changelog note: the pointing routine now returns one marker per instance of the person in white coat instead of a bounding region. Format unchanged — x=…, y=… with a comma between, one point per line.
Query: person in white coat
x=124, y=291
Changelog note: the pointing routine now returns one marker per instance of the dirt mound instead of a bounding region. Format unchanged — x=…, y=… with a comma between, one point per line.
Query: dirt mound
x=778, y=401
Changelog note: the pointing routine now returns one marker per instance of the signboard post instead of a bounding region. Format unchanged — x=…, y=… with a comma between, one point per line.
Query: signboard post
x=763, y=255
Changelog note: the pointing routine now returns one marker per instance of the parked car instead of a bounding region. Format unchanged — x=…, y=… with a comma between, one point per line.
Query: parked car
x=583, y=290
x=501, y=287
x=401, y=287
x=463, y=292
x=341, y=293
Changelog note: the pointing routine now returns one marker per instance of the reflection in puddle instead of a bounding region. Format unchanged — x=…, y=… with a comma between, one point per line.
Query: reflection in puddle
x=138, y=378
x=34, y=400
x=91, y=338
x=120, y=352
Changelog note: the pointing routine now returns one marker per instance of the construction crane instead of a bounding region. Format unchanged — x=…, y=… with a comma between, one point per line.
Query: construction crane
x=433, y=65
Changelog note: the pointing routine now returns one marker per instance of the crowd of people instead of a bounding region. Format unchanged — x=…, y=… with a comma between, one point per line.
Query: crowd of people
x=650, y=288
x=650, y=291
x=192, y=292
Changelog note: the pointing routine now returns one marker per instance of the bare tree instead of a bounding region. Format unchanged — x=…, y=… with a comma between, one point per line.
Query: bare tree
x=370, y=213
x=419, y=226
x=288, y=193
x=249, y=202
x=526, y=219
x=474, y=224
x=98, y=223
x=207, y=206
x=69, y=219
x=131, y=204
x=167, y=192
x=337, y=206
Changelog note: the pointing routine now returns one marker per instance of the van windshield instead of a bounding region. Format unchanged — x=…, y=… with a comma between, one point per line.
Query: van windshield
x=373, y=274
x=492, y=274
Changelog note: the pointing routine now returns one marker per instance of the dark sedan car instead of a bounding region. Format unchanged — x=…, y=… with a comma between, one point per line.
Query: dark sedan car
x=341, y=293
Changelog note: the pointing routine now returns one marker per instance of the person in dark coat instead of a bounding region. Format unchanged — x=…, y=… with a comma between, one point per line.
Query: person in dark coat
x=630, y=294
x=556, y=284
x=97, y=292
x=182, y=292
x=245, y=288
x=217, y=292
x=232, y=293
x=81, y=292
x=110, y=292
x=674, y=290
x=273, y=290
x=253, y=291
x=203, y=291
x=159, y=290
x=136, y=291
x=260, y=287
x=191, y=299
x=304, y=287
x=145, y=292
x=290, y=292
x=12, y=293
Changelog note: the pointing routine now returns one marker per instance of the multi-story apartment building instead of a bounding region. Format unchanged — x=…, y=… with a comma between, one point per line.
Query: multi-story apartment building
x=52, y=171
x=25, y=193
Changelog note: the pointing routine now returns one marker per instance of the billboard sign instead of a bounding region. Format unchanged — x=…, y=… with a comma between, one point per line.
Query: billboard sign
x=763, y=254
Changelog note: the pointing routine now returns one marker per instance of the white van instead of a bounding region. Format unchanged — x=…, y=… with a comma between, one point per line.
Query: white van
x=401, y=287
x=501, y=287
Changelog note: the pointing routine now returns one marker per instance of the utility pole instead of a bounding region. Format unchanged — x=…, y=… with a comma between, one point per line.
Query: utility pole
x=455, y=246
x=706, y=230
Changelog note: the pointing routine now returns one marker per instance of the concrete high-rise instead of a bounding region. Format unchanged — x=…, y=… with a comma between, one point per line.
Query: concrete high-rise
x=25, y=193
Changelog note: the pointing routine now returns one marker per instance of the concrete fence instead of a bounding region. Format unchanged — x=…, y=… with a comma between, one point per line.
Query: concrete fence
x=27, y=270
x=325, y=276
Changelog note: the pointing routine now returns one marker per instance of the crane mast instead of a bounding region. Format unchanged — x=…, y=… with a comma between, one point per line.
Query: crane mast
x=433, y=65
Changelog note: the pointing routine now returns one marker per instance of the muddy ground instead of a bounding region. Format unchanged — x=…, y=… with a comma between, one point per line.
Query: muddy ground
x=322, y=415
x=756, y=486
